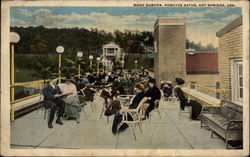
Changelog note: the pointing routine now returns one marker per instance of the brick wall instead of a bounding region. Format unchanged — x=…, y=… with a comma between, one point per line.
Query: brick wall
x=170, y=60
x=230, y=47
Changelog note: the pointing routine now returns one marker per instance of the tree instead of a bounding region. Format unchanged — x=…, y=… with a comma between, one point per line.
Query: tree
x=39, y=45
x=44, y=71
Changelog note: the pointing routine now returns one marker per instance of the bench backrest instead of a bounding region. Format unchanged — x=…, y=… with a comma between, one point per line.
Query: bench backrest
x=230, y=110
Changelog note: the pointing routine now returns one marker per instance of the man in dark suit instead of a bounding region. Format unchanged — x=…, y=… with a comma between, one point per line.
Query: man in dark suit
x=118, y=85
x=53, y=100
x=153, y=93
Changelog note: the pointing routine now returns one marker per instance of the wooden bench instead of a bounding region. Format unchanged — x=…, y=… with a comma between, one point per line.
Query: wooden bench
x=225, y=120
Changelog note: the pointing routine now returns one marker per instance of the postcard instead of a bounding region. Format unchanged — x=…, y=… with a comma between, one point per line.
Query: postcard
x=124, y=78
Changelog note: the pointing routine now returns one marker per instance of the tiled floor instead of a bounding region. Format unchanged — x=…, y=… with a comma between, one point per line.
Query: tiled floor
x=169, y=132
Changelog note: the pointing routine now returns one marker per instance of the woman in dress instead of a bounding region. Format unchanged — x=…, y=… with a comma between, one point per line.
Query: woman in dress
x=73, y=106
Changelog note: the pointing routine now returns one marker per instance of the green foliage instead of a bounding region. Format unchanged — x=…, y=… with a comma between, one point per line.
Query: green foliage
x=129, y=84
x=71, y=67
x=40, y=40
x=199, y=47
x=45, y=71
x=142, y=61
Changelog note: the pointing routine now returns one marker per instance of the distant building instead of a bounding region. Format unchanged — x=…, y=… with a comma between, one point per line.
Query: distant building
x=202, y=68
x=230, y=60
x=111, y=51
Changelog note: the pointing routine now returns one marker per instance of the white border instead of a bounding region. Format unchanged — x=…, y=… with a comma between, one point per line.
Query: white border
x=5, y=95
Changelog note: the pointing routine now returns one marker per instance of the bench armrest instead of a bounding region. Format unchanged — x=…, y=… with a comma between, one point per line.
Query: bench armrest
x=210, y=110
x=235, y=124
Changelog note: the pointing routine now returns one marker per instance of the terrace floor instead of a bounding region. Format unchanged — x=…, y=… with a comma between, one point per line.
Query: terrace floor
x=93, y=132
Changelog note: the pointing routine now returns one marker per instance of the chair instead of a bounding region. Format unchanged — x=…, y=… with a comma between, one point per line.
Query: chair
x=189, y=111
x=156, y=109
x=104, y=108
x=135, y=114
x=125, y=100
x=82, y=104
x=92, y=104
x=41, y=97
x=182, y=98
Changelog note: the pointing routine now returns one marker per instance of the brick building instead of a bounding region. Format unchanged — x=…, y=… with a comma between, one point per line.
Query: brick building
x=171, y=60
x=170, y=45
x=230, y=60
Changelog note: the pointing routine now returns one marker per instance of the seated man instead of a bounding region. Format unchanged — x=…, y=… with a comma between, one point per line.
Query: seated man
x=73, y=106
x=84, y=80
x=118, y=117
x=53, y=100
x=153, y=93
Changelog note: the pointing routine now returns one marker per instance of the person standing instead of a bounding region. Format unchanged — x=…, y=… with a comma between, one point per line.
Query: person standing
x=53, y=100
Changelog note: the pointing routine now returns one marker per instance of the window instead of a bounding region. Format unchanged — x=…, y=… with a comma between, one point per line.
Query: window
x=110, y=51
x=237, y=81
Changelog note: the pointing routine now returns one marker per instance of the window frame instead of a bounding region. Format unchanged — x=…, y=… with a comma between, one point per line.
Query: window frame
x=235, y=85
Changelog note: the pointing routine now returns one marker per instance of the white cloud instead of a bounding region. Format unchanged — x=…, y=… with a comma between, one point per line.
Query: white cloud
x=199, y=27
x=23, y=12
x=230, y=18
x=43, y=12
x=18, y=22
x=199, y=34
x=217, y=10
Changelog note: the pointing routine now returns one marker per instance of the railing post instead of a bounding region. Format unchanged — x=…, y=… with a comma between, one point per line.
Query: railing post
x=59, y=68
x=79, y=70
x=12, y=118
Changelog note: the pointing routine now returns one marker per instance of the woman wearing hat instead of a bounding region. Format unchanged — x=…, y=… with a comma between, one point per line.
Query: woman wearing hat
x=179, y=93
x=73, y=106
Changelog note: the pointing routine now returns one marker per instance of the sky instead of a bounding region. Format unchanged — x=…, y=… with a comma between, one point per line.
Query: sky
x=202, y=23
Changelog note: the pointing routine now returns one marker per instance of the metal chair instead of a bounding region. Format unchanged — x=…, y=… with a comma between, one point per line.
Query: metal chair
x=156, y=109
x=135, y=114
x=104, y=108
x=125, y=100
x=40, y=88
x=189, y=111
x=92, y=104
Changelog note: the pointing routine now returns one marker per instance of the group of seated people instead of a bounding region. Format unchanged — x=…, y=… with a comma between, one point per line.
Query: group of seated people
x=67, y=99
x=152, y=93
x=64, y=99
